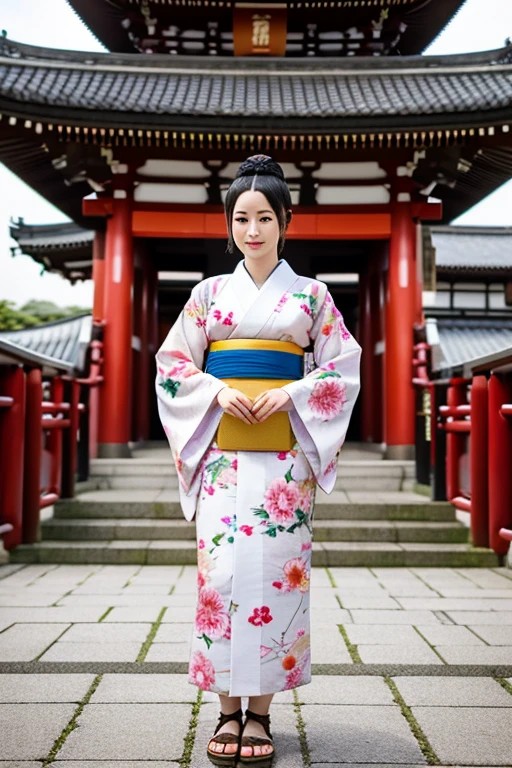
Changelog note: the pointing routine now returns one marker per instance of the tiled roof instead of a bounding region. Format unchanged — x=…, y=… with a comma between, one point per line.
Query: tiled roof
x=463, y=248
x=377, y=93
x=50, y=236
x=66, y=340
x=463, y=339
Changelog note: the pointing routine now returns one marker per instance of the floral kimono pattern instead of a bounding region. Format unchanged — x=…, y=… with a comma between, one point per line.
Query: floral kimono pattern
x=254, y=509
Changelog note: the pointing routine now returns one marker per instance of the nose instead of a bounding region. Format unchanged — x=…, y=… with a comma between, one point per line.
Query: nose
x=253, y=228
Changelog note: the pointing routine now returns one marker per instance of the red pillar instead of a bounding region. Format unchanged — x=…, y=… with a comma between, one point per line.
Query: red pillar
x=98, y=276
x=368, y=357
x=399, y=405
x=12, y=384
x=115, y=410
x=33, y=452
x=500, y=455
x=145, y=393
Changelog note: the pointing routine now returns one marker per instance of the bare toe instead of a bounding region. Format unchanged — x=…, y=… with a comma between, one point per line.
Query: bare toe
x=246, y=751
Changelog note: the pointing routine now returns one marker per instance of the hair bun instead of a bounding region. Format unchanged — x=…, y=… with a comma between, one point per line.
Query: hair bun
x=263, y=165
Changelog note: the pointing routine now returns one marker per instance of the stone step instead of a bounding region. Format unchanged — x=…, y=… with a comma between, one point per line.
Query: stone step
x=334, y=554
x=324, y=530
x=97, y=505
x=157, y=474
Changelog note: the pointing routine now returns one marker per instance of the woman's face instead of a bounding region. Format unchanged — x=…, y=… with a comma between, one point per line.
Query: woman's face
x=255, y=226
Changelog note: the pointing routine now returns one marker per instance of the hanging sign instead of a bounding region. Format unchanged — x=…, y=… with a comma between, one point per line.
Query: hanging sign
x=259, y=29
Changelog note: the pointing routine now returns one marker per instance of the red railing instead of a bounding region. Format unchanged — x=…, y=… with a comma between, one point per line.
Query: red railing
x=39, y=437
x=476, y=463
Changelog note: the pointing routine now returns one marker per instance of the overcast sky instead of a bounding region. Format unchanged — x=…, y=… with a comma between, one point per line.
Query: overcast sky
x=480, y=25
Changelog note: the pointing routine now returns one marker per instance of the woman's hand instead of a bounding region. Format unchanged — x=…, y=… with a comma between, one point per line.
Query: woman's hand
x=267, y=403
x=236, y=404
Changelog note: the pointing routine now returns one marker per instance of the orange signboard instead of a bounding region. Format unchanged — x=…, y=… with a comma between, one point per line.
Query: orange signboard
x=259, y=29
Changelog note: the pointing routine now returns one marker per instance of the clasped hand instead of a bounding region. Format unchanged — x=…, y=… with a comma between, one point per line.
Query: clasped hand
x=250, y=411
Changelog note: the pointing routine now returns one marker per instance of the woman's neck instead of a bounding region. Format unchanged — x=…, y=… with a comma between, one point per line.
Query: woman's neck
x=260, y=270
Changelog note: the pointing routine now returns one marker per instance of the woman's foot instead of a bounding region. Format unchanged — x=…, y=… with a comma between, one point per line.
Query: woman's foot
x=256, y=738
x=224, y=744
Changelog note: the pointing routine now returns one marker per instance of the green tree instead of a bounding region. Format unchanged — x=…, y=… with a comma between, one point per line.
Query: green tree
x=12, y=319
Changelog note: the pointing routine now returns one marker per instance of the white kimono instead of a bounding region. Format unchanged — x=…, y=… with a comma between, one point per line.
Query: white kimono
x=254, y=509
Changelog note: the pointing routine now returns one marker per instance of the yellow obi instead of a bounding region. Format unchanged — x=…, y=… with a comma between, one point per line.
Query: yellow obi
x=253, y=366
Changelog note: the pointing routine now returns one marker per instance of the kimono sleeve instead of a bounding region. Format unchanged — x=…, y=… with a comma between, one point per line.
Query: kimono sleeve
x=324, y=399
x=187, y=397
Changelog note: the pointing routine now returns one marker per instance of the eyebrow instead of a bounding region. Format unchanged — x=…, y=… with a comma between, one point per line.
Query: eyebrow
x=258, y=212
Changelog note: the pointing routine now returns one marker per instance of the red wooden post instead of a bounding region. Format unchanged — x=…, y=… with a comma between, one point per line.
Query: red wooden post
x=115, y=408
x=33, y=449
x=94, y=397
x=367, y=373
x=145, y=392
x=12, y=384
x=478, y=463
x=54, y=441
x=399, y=408
x=455, y=441
x=500, y=462
x=98, y=276
x=70, y=441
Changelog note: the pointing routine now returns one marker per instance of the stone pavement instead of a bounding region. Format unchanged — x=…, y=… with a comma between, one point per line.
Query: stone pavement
x=412, y=667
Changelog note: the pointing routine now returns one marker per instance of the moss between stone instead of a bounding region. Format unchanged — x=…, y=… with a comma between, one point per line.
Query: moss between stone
x=36, y=658
x=331, y=578
x=352, y=649
x=301, y=728
x=104, y=615
x=504, y=684
x=418, y=734
x=421, y=488
x=189, y=740
x=59, y=741
x=151, y=636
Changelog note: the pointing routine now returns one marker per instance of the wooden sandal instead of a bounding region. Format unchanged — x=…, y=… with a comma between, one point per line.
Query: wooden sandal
x=262, y=761
x=219, y=758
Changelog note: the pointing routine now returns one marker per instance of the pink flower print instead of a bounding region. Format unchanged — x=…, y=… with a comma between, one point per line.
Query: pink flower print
x=306, y=309
x=282, y=456
x=331, y=466
x=202, y=671
x=217, y=314
x=328, y=398
x=326, y=329
x=227, y=477
x=277, y=584
x=282, y=302
x=293, y=678
x=210, y=490
x=228, y=320
x=234, y=464
x=306, y=546
x=301, y=632
x=201, y=544
x=227, y=633
x=247, y=529
x=260, y=616
x=264, y=651
x=281, y=500
x=296, y=577
x=211, y=618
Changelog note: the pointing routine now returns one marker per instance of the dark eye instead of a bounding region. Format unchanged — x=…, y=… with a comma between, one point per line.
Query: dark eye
x=266, y=218
x=241, y=220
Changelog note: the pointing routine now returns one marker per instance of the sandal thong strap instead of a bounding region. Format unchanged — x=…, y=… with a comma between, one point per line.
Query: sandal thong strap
x=263, y=720
x=256, y=741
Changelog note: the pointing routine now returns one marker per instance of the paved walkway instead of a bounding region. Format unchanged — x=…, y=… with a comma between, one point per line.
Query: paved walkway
x=412, y=667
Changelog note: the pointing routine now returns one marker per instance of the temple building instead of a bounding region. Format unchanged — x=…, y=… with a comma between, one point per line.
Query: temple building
x=382, y=148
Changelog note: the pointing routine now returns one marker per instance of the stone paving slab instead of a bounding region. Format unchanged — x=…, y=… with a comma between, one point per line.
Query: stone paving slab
x=29, y=730
x=128, y=732
x=174, y=633
x=328, y=644
x=156, y=689
x=398, y=654
x=481, y=617
x=494, y=635
x=28, y=600
x=52, y=615
x=367, y=602
x=168, y=652
x=106, y=633
x=471, y=654
x=122, y=651
x=472, y=735
x=384, y=634
x=446, y=634
x=360, y=733
x=21, y=643
x=452, y=691
x=393, y=617
x=456, y=604
x=44, y=688
x=135, y=614
x=327, y=689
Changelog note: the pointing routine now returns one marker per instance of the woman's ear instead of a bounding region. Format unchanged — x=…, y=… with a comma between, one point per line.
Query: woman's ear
x=288, y=216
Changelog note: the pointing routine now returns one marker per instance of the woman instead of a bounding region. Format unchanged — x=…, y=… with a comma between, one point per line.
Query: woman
x=254, y=508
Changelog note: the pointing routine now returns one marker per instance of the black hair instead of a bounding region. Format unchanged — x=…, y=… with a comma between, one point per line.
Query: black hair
x=262, y=174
